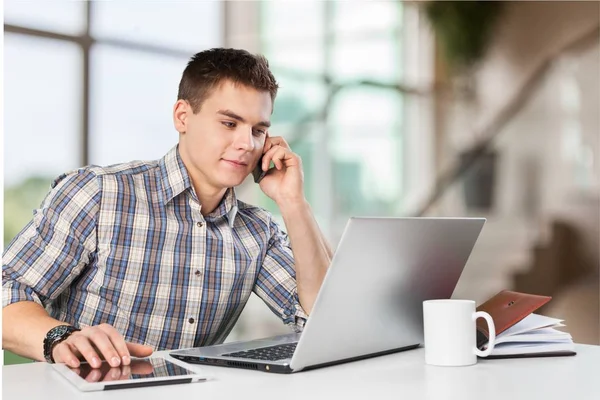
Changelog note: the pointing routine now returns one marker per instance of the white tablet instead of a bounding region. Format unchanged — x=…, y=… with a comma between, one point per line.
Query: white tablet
x=151, y=371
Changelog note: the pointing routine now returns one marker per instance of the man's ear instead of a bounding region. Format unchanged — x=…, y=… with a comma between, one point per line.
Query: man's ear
x=181, y=110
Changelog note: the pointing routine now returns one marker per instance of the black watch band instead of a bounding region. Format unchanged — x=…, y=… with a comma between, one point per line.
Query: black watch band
x=54, y=337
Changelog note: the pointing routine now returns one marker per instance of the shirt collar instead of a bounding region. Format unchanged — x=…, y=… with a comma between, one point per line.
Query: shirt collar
x=175, y=180
x=227, y=207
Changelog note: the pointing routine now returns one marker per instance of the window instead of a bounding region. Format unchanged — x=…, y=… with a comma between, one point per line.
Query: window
x=132, y=95
x=136, y=51
x=188, y=26
x=60, y=16
x=41, y=139
x=353, y=154
x=42, y=107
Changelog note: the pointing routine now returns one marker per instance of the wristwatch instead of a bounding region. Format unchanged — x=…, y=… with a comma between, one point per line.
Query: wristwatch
x=54, y=337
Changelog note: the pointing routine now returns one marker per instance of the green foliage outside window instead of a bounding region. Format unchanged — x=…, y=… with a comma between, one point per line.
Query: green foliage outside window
x=19, y=202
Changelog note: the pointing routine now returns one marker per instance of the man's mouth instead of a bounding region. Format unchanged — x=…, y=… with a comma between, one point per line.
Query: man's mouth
x=237, y=163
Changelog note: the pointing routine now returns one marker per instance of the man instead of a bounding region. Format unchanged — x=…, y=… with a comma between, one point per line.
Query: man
x=161, y=255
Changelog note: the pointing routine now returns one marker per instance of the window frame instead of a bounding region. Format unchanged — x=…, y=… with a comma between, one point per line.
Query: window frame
x=86, y=41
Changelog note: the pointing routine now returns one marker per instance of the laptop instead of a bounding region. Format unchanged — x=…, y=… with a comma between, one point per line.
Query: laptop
x=370, y=302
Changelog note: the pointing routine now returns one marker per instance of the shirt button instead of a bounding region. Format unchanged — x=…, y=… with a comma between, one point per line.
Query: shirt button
x=197, y=273
x=191, y=320
x=199, y=224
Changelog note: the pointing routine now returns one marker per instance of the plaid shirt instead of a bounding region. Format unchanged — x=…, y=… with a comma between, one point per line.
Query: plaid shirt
x=127, y=245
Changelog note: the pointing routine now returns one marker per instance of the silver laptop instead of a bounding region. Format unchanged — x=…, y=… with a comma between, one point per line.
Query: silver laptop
x=370, y=302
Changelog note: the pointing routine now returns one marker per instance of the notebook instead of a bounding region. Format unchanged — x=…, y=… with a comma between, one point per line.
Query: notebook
x=519, y=331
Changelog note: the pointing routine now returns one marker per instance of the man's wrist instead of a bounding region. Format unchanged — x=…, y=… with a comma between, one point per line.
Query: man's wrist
x=292, y=205
x=55, y=336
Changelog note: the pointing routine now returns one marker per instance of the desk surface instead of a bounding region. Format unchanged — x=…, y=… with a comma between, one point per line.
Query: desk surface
x=399, y=376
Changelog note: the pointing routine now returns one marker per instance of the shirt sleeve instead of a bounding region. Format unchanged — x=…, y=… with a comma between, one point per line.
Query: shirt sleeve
x=276, y=282
x=54, y=247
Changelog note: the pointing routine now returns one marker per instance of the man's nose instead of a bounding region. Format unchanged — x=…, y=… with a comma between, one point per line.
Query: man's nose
x=244, y=140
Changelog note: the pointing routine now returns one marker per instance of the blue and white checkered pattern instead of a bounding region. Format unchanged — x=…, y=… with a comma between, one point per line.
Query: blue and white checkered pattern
x=127, y=245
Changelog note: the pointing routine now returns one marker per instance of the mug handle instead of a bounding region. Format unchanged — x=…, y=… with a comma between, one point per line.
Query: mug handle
x=492, y=331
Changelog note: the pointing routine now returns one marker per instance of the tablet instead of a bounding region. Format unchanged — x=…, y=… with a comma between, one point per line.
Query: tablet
x=151, y=371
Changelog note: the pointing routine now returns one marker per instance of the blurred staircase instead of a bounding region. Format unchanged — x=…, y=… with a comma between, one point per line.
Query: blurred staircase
x=517, y=255
x=503, y=249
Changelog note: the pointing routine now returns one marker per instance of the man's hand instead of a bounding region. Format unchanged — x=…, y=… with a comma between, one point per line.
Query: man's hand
x=285, y=182
x=94, y=343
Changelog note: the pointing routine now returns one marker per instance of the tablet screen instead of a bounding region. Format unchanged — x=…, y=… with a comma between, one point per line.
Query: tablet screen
x=138, y=369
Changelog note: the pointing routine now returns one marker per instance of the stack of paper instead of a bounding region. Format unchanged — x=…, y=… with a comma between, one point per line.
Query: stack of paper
x=532, y=335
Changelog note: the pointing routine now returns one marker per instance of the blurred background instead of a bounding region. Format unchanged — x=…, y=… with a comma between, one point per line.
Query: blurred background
x=430, y=108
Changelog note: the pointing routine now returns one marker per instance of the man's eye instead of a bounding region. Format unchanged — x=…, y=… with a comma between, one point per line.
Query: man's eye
x=259, y=132
x=229, y=124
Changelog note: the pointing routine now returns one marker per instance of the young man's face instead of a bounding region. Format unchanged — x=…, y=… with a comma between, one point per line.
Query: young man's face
x=222, y=143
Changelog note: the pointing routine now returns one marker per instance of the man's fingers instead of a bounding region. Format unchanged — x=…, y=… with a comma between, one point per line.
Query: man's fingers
x=95, y=343
x=139, y=350
x=82, y=343
x=63, y=353
x=76, y=352
x=277, y=141
x=118, y=342
x=278, y=155
x=100, y=339
x=266, y=159
x=276, y=158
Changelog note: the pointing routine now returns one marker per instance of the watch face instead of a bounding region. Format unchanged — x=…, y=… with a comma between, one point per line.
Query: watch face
x=60, y=330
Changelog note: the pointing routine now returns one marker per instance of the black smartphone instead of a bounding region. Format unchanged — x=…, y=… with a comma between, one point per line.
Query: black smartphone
x=258, y=173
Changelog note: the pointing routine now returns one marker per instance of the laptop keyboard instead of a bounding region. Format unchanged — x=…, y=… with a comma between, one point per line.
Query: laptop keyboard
x=271, y=353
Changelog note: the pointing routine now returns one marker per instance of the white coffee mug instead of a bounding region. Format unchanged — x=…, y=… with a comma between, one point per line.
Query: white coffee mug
x=450, y=332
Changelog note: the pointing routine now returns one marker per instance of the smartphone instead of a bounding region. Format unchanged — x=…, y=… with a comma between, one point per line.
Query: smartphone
x=258, y=173
x=141, y=372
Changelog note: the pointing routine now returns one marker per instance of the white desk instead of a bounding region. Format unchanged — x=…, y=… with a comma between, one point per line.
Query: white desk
x=397, y=376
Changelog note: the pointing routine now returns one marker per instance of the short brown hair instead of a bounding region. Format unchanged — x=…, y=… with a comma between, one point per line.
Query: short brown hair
x=207, y=69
